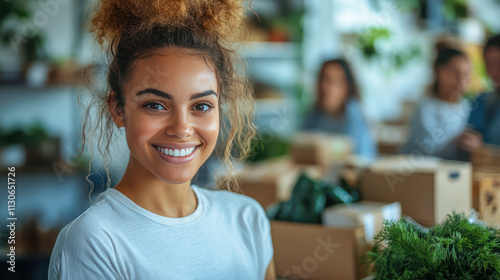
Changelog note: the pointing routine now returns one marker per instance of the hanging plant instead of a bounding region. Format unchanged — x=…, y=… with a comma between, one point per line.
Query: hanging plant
x=368, y=39
x=453, y=9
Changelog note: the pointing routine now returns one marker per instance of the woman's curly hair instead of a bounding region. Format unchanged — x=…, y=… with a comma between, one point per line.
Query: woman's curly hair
x=128, y=30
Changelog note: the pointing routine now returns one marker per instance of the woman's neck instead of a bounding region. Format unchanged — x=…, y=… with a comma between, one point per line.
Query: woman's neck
x=335, y=112
x=447, y=97
x=155, y=195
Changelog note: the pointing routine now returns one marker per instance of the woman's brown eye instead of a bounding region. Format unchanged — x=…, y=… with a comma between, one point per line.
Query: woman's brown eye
x=202, y=107
x=154, y=106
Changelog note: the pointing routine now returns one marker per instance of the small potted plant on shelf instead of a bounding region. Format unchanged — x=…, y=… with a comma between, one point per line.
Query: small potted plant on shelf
x=18, y=32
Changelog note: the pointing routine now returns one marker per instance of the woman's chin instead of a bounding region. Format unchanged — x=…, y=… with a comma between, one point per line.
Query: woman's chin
x=176, y=179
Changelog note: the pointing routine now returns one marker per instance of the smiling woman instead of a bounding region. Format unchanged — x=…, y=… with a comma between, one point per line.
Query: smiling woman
x=171, y=83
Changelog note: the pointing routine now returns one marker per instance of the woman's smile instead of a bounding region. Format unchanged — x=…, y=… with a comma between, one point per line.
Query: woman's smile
x=176, y=153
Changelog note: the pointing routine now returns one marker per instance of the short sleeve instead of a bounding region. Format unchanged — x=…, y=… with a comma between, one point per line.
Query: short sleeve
x=79, y=254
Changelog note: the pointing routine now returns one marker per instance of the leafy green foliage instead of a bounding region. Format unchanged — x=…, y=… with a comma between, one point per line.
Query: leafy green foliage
x=264, y=147
x=31, y=135
x=31, y=44
x=310, y=198
x=368, y=38
x=453, y=9
x=455, y=249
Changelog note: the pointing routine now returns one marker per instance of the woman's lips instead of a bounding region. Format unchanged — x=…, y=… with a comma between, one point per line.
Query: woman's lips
x=177, y=157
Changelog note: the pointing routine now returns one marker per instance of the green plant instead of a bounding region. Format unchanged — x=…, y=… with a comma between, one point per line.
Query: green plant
x=31, y=45
x=367, y=42
x=455, y=249
x=368, y=38
x=32, y=135
x=263, y=149
x=453, y=9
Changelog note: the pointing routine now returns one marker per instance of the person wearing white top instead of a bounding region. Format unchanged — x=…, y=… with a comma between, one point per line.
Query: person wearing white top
x=441, y=116
x=117, y=239
x=171, y=81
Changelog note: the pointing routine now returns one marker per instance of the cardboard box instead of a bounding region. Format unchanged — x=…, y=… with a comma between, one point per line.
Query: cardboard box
x=390, y=138
x=486, y=195
x=320, y=148
x=487, y=159
x=493, y=221
x=272, y=181
x=427, y=188
x=369, y=214
x=308, y=251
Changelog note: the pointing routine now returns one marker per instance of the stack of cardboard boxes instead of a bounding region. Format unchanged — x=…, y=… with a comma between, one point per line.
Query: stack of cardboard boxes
x=307, y=251
x=425, y=189
x=486, y=184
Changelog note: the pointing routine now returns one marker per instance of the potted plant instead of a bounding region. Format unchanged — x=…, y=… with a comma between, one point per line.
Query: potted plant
x=14, y=14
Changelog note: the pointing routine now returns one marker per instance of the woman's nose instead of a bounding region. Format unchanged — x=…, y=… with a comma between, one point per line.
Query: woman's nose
x=179, y=125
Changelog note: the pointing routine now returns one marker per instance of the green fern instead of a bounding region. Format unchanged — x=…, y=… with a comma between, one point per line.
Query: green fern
x=455, y=249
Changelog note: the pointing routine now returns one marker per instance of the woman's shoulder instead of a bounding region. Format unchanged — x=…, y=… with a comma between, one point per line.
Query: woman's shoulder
x=232, y=203
x=428, y=105
x=85, y=239
x=89, y=224
x=229, y=198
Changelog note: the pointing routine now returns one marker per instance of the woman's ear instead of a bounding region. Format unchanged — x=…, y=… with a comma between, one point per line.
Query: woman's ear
x=114, y=110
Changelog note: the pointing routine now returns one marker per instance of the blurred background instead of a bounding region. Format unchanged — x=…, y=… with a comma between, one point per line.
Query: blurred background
x=44, y=47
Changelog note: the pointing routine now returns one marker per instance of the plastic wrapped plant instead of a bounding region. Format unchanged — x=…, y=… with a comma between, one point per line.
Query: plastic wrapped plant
x=455, y=249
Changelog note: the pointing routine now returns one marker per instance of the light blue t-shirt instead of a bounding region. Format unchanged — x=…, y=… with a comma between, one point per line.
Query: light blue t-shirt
x=435, y=126
x=227, y=237
x=352, y=123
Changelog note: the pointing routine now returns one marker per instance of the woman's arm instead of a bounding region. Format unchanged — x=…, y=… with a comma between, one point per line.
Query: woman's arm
x=271, y=273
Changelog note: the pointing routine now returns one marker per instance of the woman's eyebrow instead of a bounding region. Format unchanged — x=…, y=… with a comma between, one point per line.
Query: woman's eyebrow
x=170, y=97
x=155, y=92
x=202, y=94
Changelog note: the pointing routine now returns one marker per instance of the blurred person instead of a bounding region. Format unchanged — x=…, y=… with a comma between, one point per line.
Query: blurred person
x=171, y=82
x=338, y=109
x=442, y=114
x=484, y=119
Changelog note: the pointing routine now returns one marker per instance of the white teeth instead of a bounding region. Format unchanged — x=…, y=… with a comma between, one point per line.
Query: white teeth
x=177, y=152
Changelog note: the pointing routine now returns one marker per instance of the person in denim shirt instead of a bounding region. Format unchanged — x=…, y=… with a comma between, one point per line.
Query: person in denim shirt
x=484, y=120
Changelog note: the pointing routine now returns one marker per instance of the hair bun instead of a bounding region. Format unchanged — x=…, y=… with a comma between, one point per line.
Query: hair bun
x=445, y=42
x=217, y=19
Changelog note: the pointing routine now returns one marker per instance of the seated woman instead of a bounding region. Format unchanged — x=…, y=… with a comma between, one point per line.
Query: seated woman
x=338, y=109
x=441, y=115
x=484, y=119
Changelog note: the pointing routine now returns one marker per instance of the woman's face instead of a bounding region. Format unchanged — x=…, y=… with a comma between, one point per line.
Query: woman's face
x=334, y=88
x=454, y=77
x=171, y=115
x=492, y=61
